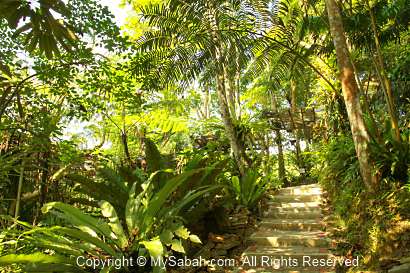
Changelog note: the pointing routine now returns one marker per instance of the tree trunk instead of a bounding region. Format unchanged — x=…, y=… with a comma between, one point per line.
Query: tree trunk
x=278, y=141
x=238, y=90
x=237, y=149
x=384, y=80
x=20, y=186
x=221, y=78
x=44, y=178
x=281, y=159
x=206, y=102
x=293, y=112
x=360, y=134
x=124, y=138
x=230, y=88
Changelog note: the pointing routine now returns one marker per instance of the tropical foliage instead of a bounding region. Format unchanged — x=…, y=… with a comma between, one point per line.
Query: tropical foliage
x=127, y=137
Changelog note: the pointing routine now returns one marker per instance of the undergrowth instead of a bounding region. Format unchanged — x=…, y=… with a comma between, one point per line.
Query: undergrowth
x=375, y=227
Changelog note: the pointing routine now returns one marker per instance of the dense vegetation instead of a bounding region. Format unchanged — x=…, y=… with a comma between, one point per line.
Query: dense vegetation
x=141, y=139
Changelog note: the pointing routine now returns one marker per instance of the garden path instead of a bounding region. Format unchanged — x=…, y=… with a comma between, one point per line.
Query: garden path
x=290, y=238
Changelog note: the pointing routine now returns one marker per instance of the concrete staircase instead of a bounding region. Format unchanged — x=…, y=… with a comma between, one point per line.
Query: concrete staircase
x=289, y=237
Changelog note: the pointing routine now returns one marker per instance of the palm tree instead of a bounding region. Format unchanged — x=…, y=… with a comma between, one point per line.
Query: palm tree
x=42, y=30
x=188, y=37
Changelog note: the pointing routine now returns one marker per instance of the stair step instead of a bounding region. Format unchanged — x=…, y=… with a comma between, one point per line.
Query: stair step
x=291, y=224
x=255, y=250
x=290, y=231
x=278, y=204
x=297, y=198
x=289, y=238
x=302, y=190
x=300, y=211
x=292, y=215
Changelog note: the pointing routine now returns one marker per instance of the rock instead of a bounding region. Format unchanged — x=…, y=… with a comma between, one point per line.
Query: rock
x=219, y=252
x=405, y=260
x=228, y=244
x=215, y=238
x=404, y=268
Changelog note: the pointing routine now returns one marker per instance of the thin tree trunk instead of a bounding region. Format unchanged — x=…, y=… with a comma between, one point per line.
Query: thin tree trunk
x=360, y=134
x=278, y=141
x=206, y=102
x=20, y=186
x=306, y=137
x=238, y=96
x=266, y=153
x=44, y=178
x=281, y=158
x=296, y=131
x=385, y=81
x=237, y=85
x=124, y=138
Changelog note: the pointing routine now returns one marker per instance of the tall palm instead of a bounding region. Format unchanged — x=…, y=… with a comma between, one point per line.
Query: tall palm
x=187, y=37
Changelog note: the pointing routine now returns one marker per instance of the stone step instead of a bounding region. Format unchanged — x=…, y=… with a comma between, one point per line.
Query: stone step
x=300, y=211
x=302, y=190
x=291, y=224
x=275, y=214
x=296, y=198
x=278, y=204
x=289, y=238
x=291, y=231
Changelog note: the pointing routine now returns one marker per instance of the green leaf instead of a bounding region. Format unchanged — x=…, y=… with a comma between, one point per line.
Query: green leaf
x=40, y=267
x=160, y=198
x=195, y=239
x=182, y=232
x=154, y=247
x=177, y=246
x=236, y=184
x=58, y=244
x=37, y=257
x=133, y=210
x=190, y=197
x=108, y=211
x=166, y=237
x=79, y=219
x=78, y=234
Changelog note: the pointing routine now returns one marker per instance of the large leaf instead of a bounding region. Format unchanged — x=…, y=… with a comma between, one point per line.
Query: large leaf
x=103, y=191
x=80, y=235
x=36, y=257
x=52, y=267
x=159, y=199
x=133, y=211
x=81, y=220
x=108, y=211
x=112, y=178
x=189, y=198
x=43, y=30
x=59, y=244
